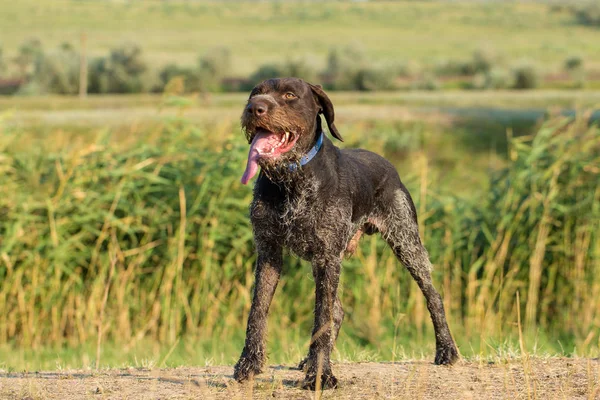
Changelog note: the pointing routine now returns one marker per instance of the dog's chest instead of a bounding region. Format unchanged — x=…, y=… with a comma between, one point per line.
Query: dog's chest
x=299, y=220
x=304, y=221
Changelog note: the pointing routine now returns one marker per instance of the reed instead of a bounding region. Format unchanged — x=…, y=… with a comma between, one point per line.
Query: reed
x=144, y=238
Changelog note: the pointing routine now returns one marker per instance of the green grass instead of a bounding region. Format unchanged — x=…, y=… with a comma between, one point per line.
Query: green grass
x=257, y=32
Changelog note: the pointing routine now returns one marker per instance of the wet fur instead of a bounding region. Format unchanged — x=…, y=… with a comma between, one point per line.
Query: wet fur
x=319, y=212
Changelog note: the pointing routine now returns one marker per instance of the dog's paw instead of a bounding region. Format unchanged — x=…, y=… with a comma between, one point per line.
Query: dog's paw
x=446, y=355
x=246, y=369
x=328, y=381
x=302, y=364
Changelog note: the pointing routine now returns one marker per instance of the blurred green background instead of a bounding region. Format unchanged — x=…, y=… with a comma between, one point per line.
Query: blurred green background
x=124, y=231
x=138, y=46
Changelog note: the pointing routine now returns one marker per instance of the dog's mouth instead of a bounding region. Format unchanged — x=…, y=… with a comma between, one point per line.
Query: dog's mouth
x=267, y=144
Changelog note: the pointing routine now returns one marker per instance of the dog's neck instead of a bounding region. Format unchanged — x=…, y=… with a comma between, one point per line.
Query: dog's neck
x=305, y=159
x=292, y=181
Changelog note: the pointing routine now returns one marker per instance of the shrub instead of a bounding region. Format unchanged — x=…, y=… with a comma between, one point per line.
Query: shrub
x=212, y=68
x=265, y=71
x=454, y=68
x=374, y=78
x=573, y=63
x=406, y=69
x=484, y=59
x=481, y=61
x=121, y=72
x=58, y=71
x=342, y=67
x=574, y=66
x=525, y=76
x=29, y=54
x=298, y=68
x=496, y=78
x=190, y=77
x=349, y=69
x=588, y=14
x=427, y=82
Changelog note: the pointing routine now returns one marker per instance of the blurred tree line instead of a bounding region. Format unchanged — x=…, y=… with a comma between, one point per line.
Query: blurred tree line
x=35, y=71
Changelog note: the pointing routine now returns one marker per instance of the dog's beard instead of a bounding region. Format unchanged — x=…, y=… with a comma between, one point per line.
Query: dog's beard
x=285, y=169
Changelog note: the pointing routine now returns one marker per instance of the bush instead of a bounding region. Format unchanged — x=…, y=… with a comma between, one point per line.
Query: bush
x=454, y=68
x=374, y=78
x=207, y=76
x=481, y=62
x=298, y=68
x=342, y=67
x=496, y=78
x=525, y=76
x=573, y=63
x=58, y=71
x=190, y=76
x=212, y=68
x=265, y=71
x=33, y=88
x=28, y=56
x=349, y=69
x=406, y=69
x=427, y=82
x=53, y=72
x=121, y=72
x=588, y=14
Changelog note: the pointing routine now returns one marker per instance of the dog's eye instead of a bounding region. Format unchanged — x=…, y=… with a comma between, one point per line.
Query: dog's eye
x=289, y=95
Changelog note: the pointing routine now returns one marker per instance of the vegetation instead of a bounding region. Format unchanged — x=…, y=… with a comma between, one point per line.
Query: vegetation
x=144, y=236
x=389, y=31
x=525, y=75
x=345, y=46
x=121, y=72
x=588, y=14
x=125, y=70
x=124, y=234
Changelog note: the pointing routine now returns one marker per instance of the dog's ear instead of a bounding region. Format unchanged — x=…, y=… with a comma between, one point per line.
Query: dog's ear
x=326, y=109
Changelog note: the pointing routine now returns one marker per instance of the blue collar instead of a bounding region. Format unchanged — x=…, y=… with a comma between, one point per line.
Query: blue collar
x=310, y=155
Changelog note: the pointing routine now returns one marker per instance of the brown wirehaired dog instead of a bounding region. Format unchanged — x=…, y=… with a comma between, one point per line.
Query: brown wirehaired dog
x=317, y=201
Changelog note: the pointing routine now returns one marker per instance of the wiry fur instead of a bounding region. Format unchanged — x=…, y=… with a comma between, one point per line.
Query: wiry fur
x=319, y=212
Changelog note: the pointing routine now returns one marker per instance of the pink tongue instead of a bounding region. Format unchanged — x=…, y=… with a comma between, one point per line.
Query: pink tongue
x=261, y=143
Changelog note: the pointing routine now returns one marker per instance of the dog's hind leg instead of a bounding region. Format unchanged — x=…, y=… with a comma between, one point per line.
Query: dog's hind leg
x=268, y=270
x=400, y=229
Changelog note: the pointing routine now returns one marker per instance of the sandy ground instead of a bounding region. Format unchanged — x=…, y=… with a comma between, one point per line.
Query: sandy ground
x=552, y=378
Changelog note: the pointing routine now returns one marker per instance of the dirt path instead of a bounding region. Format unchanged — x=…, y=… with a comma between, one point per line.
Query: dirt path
x=553, y=378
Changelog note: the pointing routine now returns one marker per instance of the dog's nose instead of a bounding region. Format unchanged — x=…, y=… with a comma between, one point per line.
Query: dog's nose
x=258, y=108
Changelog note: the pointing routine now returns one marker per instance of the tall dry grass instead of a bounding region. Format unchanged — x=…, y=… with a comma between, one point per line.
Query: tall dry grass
x=145, y=237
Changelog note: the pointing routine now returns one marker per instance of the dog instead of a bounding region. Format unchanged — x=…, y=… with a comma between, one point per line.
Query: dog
x=317, y=200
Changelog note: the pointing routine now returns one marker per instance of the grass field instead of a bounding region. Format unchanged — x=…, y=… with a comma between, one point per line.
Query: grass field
x=124, y=233
x=390, y=32
x=85, y=197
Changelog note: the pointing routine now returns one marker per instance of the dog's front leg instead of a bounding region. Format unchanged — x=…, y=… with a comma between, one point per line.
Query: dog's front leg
x=268, y=270
x=318, y=365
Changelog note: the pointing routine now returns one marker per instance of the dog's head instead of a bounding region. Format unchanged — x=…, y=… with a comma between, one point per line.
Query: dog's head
x=282, y=121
